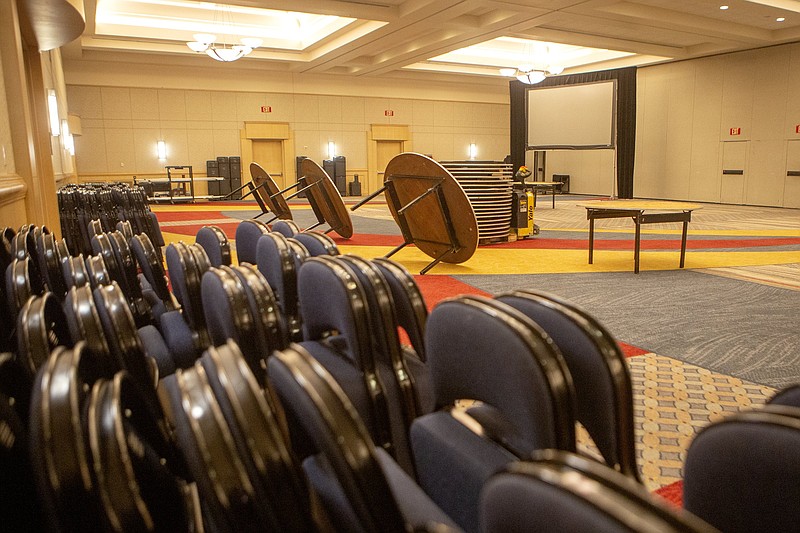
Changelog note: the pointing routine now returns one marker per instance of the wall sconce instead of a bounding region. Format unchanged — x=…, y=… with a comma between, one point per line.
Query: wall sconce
x=473, y=150
x=69, y=140
x=161, y=148
x=331, y=149
x=52, y=109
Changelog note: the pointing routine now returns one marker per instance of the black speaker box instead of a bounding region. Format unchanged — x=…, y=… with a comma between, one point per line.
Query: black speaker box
x=223, y=167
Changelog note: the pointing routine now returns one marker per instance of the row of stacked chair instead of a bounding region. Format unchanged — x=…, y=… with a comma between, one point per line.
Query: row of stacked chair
x=109, y=204
x=276, y=394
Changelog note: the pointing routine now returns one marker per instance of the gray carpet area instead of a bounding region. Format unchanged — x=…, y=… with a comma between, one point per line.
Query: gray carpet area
x=747, y=330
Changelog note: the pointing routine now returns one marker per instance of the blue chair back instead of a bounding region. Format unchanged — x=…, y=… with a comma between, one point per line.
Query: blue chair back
x=603, y=390
x=480, y=350
x=216, y=245
x=561, y=491
x=410, y=307
x=277, y=263
x=788, y=396
x=287, y=228
x=741, y=472
x=247, y=234
x=317, y=243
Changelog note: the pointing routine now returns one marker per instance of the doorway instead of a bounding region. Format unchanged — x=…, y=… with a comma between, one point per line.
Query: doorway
x=734, y=171
x=269, y=154
x=384, y=142
x=386, y=150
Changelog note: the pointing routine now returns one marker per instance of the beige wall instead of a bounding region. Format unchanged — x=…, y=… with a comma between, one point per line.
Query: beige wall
x=685, y=114
x=122, y=124
x=126, y=107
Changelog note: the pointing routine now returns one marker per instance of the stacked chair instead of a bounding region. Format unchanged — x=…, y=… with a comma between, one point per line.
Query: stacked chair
x=741, y=473
x=109, y=205
x=305, y=390
x=601, y=381
x=562, y=491
x=481, y=350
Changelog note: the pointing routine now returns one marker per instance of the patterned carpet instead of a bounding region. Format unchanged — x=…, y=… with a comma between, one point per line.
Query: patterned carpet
x=702, y=342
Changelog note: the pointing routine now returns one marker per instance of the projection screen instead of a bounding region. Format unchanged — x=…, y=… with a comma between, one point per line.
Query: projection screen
x=578, y=117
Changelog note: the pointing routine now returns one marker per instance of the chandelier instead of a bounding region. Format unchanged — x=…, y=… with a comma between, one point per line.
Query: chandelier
x=207, y=42
x=530, y=75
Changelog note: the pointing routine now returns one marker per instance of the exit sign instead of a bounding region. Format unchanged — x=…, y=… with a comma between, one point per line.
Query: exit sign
x=266, y=109
x=797, y=128
x=388, y=113
x=736, y=131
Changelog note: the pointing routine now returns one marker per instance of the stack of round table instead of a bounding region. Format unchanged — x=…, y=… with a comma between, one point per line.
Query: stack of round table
x=488, y=186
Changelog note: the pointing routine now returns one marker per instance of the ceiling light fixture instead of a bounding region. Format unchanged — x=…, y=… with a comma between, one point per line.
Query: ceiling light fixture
x=530, y=75
x=780, y=19
x=723, y=8
x=207, y=42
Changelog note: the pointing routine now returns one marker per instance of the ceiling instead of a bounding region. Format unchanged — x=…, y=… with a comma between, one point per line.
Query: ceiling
x=435, y=39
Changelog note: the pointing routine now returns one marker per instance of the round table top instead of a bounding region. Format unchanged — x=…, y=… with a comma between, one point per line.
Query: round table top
x=640, y=205
x=412, y=175
x=269, y=192
x=325, y=199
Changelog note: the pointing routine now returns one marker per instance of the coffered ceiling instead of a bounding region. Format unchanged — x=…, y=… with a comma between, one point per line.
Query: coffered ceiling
x=434, y=38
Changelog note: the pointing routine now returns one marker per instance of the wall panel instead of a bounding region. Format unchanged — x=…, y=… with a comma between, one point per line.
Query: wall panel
x=679, y=132
x=116, y=102
x=765, y=182
x=651, y=133
x=198, y=105
x=771, y=91
x=704, y=182
x=738, y=87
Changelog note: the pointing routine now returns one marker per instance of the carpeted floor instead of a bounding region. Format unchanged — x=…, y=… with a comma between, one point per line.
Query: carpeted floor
x=713, y=338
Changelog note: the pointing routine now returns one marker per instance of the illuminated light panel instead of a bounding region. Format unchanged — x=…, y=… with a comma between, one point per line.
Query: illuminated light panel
x=511, y=52
x=149, y=19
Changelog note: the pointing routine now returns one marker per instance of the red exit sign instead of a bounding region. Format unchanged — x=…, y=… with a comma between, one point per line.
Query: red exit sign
x=797, y=128
x=266, y=109
x=736, y=131
x=388, y=113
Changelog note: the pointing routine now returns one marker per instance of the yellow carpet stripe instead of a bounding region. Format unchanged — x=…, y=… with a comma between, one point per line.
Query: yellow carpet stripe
x=717, y=233
x=552, y=261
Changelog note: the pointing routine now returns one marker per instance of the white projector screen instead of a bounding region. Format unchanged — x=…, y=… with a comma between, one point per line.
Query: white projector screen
x=580, y=116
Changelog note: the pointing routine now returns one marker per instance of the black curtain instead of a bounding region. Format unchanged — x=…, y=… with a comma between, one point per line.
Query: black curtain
x=626, y=119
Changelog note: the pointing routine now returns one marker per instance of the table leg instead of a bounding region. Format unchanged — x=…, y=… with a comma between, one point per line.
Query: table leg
x=591, y=240
x=554, y=197
x=637, y=220
x=683, y=242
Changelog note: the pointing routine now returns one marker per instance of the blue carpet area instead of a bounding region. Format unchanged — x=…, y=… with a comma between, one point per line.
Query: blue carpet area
x=747, y=330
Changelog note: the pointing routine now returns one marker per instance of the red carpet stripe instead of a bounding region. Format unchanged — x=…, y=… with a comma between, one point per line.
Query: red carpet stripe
x=191, y=229
x=193, y=216
x=360, y=239
x=630, y=350
x=436, y=288
x=673, y=493
x=646, y=244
